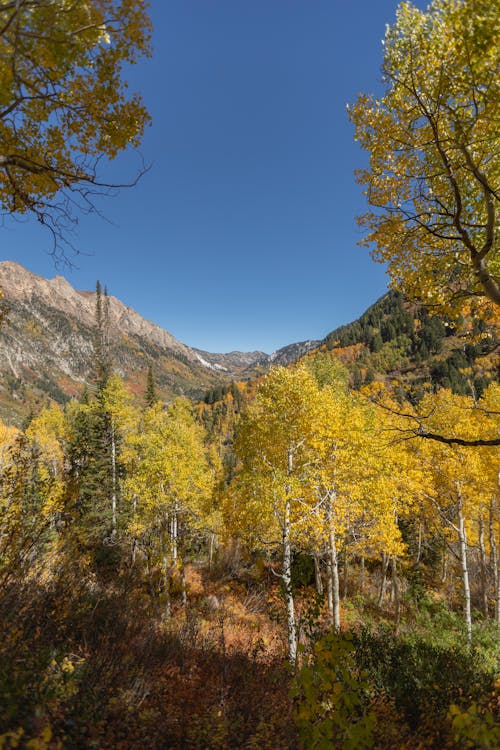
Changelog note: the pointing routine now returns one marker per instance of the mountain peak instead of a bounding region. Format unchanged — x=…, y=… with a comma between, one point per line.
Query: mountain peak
x=46, y=348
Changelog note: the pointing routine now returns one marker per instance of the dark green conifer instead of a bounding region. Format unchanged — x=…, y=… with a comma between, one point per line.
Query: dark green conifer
x=151, y=396
x=102, y=364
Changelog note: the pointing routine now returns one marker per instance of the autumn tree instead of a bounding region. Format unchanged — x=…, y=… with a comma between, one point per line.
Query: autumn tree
x=64, y=102
x=432, y=138
x=458, y=486
x=151, y=395
x=30, y=498
x=96, y=432
x=169, y=482
x=356, y=483
x=271, y=499
x=119, y=417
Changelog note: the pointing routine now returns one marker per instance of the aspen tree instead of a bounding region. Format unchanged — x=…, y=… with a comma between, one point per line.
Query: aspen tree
x=64, y=103
x=456, y=489
x=433, y=141
x=121, y=418
x=271, y=499
x=171, y=482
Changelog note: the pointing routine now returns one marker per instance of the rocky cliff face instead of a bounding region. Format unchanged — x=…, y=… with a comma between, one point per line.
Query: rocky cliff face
x=33, y=292
x=46, y=347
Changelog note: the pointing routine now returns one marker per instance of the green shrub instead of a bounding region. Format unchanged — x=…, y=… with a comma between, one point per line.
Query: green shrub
x=331, y=698
x=421, y=677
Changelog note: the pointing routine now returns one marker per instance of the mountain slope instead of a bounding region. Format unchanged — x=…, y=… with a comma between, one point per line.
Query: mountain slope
x=46, y=347
x=399, y=341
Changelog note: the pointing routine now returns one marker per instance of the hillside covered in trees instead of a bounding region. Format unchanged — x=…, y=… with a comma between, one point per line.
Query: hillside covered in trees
x=302, y=553
x=161, y=564
x=399, y=340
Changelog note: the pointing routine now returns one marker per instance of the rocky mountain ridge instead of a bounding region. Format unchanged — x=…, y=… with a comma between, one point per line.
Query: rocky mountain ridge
x=46, y=346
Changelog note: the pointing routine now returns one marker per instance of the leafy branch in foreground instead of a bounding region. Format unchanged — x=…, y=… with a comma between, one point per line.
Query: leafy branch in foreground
x=433, y=177
x=64, y=104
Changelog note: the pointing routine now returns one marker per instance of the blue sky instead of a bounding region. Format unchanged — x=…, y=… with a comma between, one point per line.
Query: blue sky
x=243, y=233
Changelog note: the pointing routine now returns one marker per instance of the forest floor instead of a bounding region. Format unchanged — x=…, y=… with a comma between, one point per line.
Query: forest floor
x=87, y=663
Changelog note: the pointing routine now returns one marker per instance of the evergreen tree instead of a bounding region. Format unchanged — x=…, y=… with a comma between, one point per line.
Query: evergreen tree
x=102, y=364
x=151, y=396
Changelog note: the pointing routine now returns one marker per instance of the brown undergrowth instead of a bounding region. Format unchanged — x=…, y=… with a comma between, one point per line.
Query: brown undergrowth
x=90, y=662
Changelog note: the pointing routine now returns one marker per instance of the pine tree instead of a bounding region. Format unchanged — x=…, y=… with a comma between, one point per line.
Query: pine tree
x=102, y=364
x=151, y=396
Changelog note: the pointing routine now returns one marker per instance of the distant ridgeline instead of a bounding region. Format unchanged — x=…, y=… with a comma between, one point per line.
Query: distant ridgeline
x=399, y=341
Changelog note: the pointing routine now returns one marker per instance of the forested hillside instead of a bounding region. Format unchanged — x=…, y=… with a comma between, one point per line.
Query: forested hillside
x=158, y=571
x=296, y=551
x=297, y=517
x=398, y=340
x=47, y=340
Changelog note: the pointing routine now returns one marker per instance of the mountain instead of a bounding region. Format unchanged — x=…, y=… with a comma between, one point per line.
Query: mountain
x=46, y=347
x=395, y=341
x=398, y=341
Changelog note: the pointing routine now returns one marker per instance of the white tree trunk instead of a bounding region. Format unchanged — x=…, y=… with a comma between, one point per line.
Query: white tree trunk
x=465, y=572
x=444, y=568
x=317, y=573
x=113, y=483
x=166, y=585
x=484, y=569
x=183, y=583
x=287, y=585
x=212, y=544
x=346, y=573
x=174, y=534
x=134, y=540
x=361, y=574
x=494, y=558
x=419, y=542
x=383, y=582
x=333, y=569
x=167, y=570
x=396, y=592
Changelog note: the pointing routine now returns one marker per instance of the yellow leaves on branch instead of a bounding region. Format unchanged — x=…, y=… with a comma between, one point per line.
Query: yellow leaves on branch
x=169, y=466
x=333, y=456
x=313, y=447
x=63, y=97
x=433, y=141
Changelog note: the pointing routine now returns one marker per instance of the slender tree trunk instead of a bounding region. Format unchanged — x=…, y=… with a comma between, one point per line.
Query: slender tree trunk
x=329, y=587
x=346, y=573
x=362, y=573
x=419, y=542
x=444, y=569
x=211, y=546
x=174, y=534
x=317, y=573
x=494, y=558
x=287, y=585
x=167, y=571
x=383, y=582
x=166, y=587
x=396, y=591
x=483, y=569
x=465, y=572
x=134, y=540
x=113, y=483
x=333, y=570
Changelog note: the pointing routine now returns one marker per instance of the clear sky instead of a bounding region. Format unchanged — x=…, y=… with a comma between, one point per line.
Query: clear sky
x=243, y=233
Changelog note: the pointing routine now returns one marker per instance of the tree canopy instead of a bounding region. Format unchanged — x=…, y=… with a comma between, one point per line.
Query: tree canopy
x=433, y=174
x=64, y=102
